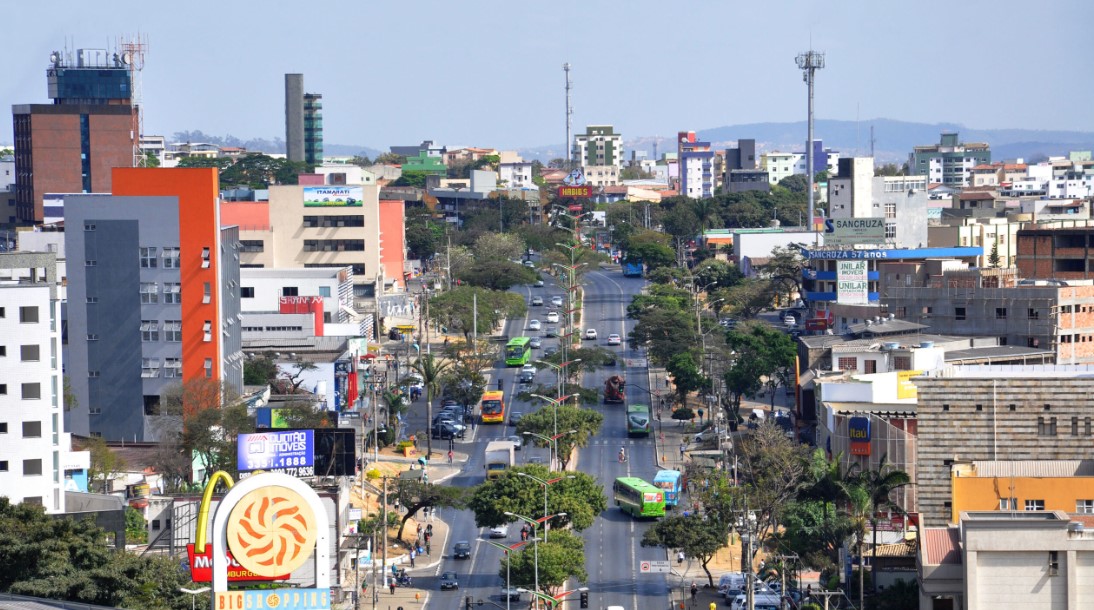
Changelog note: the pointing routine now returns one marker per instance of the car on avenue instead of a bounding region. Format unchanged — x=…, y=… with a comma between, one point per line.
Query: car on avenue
x=590, y=333
x=552, y=317
x=614, y=339
x=537, y=301
x=556, y=301
x=449, y=580
x=534, y=325
x=539, y=284
x=517, y=440
x=462, y=550
x=500, y=531
x=515, y=417
x=535, y=343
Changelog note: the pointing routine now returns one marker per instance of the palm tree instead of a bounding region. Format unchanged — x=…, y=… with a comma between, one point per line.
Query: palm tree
x=860, y=510
x=431, y=369
x=830, y=482
x=880, y=484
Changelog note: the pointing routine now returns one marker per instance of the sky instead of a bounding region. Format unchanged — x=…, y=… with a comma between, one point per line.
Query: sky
x=489, y=73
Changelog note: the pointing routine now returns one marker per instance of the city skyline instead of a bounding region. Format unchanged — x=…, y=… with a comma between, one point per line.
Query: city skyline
x=393, y=76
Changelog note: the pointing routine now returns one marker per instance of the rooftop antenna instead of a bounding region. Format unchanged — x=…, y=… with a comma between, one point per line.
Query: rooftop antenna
x=567, y=154
x=809, y=62
x=132, y=57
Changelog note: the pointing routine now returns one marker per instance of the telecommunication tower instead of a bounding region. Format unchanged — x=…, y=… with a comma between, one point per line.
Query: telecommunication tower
x=809, y=62
x=132, y=56
x=569, y=118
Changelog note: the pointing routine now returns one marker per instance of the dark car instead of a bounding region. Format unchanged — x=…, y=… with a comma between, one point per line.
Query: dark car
x=462, y=550
x=527, y=376
x=511, y=592
x=515, y=417
x=445, y=431
x=449, y=580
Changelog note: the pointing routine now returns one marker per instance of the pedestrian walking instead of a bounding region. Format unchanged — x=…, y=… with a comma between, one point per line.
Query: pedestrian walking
x=428, y=548
x=680, y=557
x=474, y=421
x=683, y=448
x=391, y=585
x=449, y=456
x=694, y=592
x=412, y=558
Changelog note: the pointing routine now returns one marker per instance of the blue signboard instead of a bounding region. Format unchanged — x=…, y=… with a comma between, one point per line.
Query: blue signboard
x=858, y=428
x=289, y=451
x=281, y=599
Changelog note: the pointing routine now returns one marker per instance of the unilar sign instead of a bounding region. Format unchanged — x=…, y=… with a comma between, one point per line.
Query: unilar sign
x=858, y=429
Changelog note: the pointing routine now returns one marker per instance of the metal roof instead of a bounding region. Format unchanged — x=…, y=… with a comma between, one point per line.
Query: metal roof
x=877, y=408
x=941, y=545
x=1034, y=468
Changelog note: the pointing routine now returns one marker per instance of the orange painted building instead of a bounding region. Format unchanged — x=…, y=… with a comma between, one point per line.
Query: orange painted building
x=393, y=240
x=1064, y=485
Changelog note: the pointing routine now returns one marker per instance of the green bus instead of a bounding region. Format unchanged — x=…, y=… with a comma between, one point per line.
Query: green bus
x=639, y=498
x=638, y=420
x=518, y=351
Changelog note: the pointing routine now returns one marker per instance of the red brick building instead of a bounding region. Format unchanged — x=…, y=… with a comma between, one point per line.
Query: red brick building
x=1056, y=253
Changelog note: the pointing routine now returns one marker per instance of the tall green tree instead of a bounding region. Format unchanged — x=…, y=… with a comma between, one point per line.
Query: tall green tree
x=585, y=422
x=559, y=560
x=879, y=484
x=455, y=309
x=414, y=495
x=432, y=370
x=686, y=376
x=581, y=498
x=695, y=535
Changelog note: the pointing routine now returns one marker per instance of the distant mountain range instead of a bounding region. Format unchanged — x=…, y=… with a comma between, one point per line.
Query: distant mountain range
x=893, y=140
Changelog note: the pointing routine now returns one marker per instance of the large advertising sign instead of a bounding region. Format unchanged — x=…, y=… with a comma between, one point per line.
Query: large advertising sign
x=201, y=568
x=852, y=287
x=851, y=231
x=575, y=191
x=291, y=452
x=858, y=428
x=333, y=196
x=904, y=386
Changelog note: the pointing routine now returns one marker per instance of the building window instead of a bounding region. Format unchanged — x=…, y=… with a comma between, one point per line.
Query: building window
x=251, y=245
x=959, y=313
x=1033, y=314
x=848, y=364
x=170, y=258
x=149, y=258
x=890, y=230
x=1035, y=505
x=28, y=315
x=32, y=391
x=1074, y=426
x=29, y=353
x=150, y=330
x=1000, y=313
x=3, y=389
x=1086, y=426
x=290, y=291
x=150, y=367
x=3, y=465
x=172, y=368
x=324, y=291
x=1046, y=427
x=172, y=331
x=32, y=468
x=246, y=292
x=150, y=293
x=1008, y=503
x=32, y=429
x=207, y=296
x=172, y=294
x=1084, y=507
x=208, y=368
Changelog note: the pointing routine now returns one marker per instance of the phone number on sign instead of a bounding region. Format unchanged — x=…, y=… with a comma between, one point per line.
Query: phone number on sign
x=302, y=471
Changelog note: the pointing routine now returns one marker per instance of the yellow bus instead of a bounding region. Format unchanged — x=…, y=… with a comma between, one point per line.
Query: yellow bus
x=492, y=407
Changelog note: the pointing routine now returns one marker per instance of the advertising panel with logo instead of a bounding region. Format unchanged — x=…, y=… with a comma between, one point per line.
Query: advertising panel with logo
x=852, y=287
x=852, y=231
x=291, y=452
x=904, y=386
x=859, y=431
x=333, y=196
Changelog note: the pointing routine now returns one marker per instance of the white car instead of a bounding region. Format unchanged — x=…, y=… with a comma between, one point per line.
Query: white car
x=536, y=301
x=552, y=317
x=556, y=301
x=534, y=325
x=614, y=339
x=790, y=321
x=590, y=333
x=529, y=368
x=539, y=284
x=501, y=531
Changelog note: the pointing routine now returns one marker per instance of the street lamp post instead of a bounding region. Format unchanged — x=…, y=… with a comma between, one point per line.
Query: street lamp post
x=194, y=593
x=553, y=442
x=559, y=369
x=535, y=539
x=555, y=402
x=507, y=549
x=545, y=483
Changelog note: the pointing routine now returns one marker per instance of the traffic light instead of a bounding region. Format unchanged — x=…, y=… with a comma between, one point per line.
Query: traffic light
x=584, y=599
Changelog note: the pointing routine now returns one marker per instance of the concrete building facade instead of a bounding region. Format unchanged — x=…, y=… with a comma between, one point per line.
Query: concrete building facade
x=599, y=146
x=949, y=162
x=303, y=122
x=153, y=296
x=1059, y=252
x=1004, y=412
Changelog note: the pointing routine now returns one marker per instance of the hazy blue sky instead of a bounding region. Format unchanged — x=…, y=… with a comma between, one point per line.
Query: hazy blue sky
x=488, y=73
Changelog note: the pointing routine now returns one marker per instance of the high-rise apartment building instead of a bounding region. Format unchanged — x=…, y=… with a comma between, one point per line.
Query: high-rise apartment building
x=36, y=462
x=696, y=166
x=153, y=289
x=303, y=122
x=599, y=153
x=949, y=162
x=71, y=145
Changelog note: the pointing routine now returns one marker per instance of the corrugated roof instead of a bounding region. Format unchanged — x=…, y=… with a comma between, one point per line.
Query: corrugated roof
x=1034, y=468
x=885, y=327
x=941, y=545
x=883, y=409
x=897, y=549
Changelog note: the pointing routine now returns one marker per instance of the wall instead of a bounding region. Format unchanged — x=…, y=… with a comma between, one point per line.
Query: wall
x=972, y=493
x=393, y=241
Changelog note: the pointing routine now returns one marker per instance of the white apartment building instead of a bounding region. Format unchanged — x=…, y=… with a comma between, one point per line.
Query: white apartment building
x=313, y=302
x=48, y=241
x=999, y=234
x=516, y=174
x=36, y=461
x=779, y=165
x=599, y=146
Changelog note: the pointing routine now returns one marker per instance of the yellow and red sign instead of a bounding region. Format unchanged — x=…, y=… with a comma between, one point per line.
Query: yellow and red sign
x=201, y=567
x=575, y=191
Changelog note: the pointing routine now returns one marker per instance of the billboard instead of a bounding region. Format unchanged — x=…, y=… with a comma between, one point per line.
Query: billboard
x=904, y=386
x=201, y=567
x=333, y=196
x=852, y=287
x=851, y=231
x=575, y=191
x=859, y=431
x=291, y=452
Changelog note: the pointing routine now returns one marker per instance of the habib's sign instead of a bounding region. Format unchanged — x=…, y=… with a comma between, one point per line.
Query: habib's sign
x=575, y=191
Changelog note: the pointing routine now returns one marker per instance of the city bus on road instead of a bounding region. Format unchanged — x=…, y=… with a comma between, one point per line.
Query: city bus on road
x=492, y=407
x=638, y=498
x=638, y=420
x=671, y=483
x=518, y=351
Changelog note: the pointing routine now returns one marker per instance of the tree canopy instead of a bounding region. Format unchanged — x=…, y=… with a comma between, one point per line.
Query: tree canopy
x=454, y=309
x=586, y=422
x=581, y=498
x=695, y=535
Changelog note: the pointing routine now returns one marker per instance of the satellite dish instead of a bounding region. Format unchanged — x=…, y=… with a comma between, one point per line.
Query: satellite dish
x=127, y=58
x=54, y=58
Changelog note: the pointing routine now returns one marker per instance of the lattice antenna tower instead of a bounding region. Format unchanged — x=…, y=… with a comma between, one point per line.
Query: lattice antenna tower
x=809, y=62
x=567, y=150
x=132, y=55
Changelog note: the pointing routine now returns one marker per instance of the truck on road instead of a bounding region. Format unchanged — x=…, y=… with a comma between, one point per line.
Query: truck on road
x=615, y=389
x=500, y=456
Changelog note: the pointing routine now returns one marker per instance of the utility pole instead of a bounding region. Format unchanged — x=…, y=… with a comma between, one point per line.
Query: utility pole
x=567, y=153
x=383, y=536
x=448, y=262
x=809, y=62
